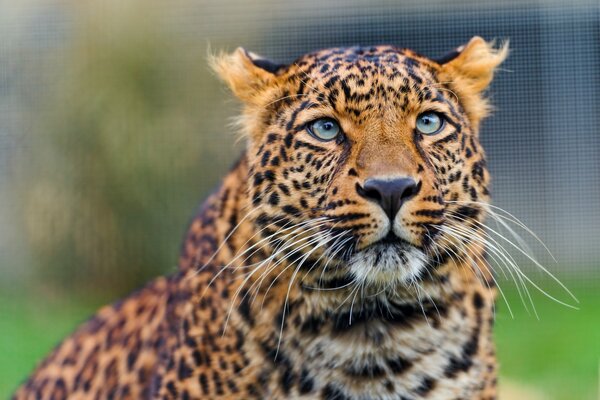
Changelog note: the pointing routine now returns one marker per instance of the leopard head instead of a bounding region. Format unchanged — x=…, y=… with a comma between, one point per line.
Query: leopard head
x=365, y=162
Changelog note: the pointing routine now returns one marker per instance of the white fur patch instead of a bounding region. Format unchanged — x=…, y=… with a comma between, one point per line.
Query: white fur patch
x=386, y=265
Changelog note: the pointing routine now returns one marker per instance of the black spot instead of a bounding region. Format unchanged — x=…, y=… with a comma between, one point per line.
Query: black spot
x=478, y=170
x=478, y=302
x=272, y=137
x=274, y=198
x=265, y=158
x=244, y=308
x=464, y=362
x=183, y=371
x=468, y=212
x=171, y=388
x=306, y=383
x=312, y=325
x=430, y=213
x=258, y=179
x=284, y=189
x=132, y=356
x=425, y=387
x=197, y=356
x=365, y=371
x=218, y=383
x=399, y=365
x=331, y=393
x=291, y=210
x=288, y=140
x=287, y=379
x=232, y=386
x=269, y=175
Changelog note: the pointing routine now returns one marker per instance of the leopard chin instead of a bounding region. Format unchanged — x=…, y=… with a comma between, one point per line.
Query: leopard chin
x=387, y=265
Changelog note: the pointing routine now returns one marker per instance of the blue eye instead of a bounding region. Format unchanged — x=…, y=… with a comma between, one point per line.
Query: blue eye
x=430, y=123
x=324, y=129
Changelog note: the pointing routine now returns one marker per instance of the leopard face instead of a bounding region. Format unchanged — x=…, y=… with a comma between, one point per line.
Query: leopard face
x=365, y=163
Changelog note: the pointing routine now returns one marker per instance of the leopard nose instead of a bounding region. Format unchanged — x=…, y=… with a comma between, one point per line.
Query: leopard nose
x=390, y=194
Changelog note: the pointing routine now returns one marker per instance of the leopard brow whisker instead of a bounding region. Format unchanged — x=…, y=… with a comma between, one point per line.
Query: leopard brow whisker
x=420, y=302
x=265, y=240
x=324, y=254
x=309, y=243
x=478, y=272
x=248, y=277
x=486, y=235
x=270, y=268
x=540, y=266
x=489, y=208
x=284, y=243
x=475, y=268
x=297, y=229
x=440, y=86
x=338, y=248
x=227, y=238
x=308, y=77
x=511, y=265
x=498, y=250
x=297, y=95
x=518, y=280
x=288, y=294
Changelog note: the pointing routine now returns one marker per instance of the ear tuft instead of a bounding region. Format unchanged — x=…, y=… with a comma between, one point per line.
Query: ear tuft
x=470, y=71
x=245, y=73
x=477, y=61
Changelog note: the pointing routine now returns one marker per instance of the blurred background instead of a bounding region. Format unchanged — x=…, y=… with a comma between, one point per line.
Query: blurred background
x=112, y=130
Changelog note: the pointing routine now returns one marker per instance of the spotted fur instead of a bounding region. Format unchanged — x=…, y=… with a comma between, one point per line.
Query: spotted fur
x=294, y=285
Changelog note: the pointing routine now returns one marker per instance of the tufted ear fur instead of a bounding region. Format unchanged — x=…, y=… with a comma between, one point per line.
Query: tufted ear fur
x=246, y=74
x=469, y=71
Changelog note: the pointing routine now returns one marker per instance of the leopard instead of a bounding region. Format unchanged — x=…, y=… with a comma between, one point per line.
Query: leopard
x=340, y=257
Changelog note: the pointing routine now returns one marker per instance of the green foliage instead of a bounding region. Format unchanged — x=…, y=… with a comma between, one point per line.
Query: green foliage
x=122, y=149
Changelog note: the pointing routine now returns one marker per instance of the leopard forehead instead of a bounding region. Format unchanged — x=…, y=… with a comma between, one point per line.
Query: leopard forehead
x=384, y=57
x=358, y=79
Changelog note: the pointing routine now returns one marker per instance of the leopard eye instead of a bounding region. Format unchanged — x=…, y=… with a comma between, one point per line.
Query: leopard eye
x=325, y=129
x=430, y=123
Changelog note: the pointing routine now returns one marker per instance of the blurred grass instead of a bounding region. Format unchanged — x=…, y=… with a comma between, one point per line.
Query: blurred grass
x=557, y=354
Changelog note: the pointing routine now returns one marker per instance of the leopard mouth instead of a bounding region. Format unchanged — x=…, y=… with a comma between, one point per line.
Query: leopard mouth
x=392, y=239
x=390, y=259
x=389, y=242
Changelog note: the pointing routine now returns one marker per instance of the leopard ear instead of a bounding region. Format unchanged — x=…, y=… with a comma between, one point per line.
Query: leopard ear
x=246, y=73
x=469, y=71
